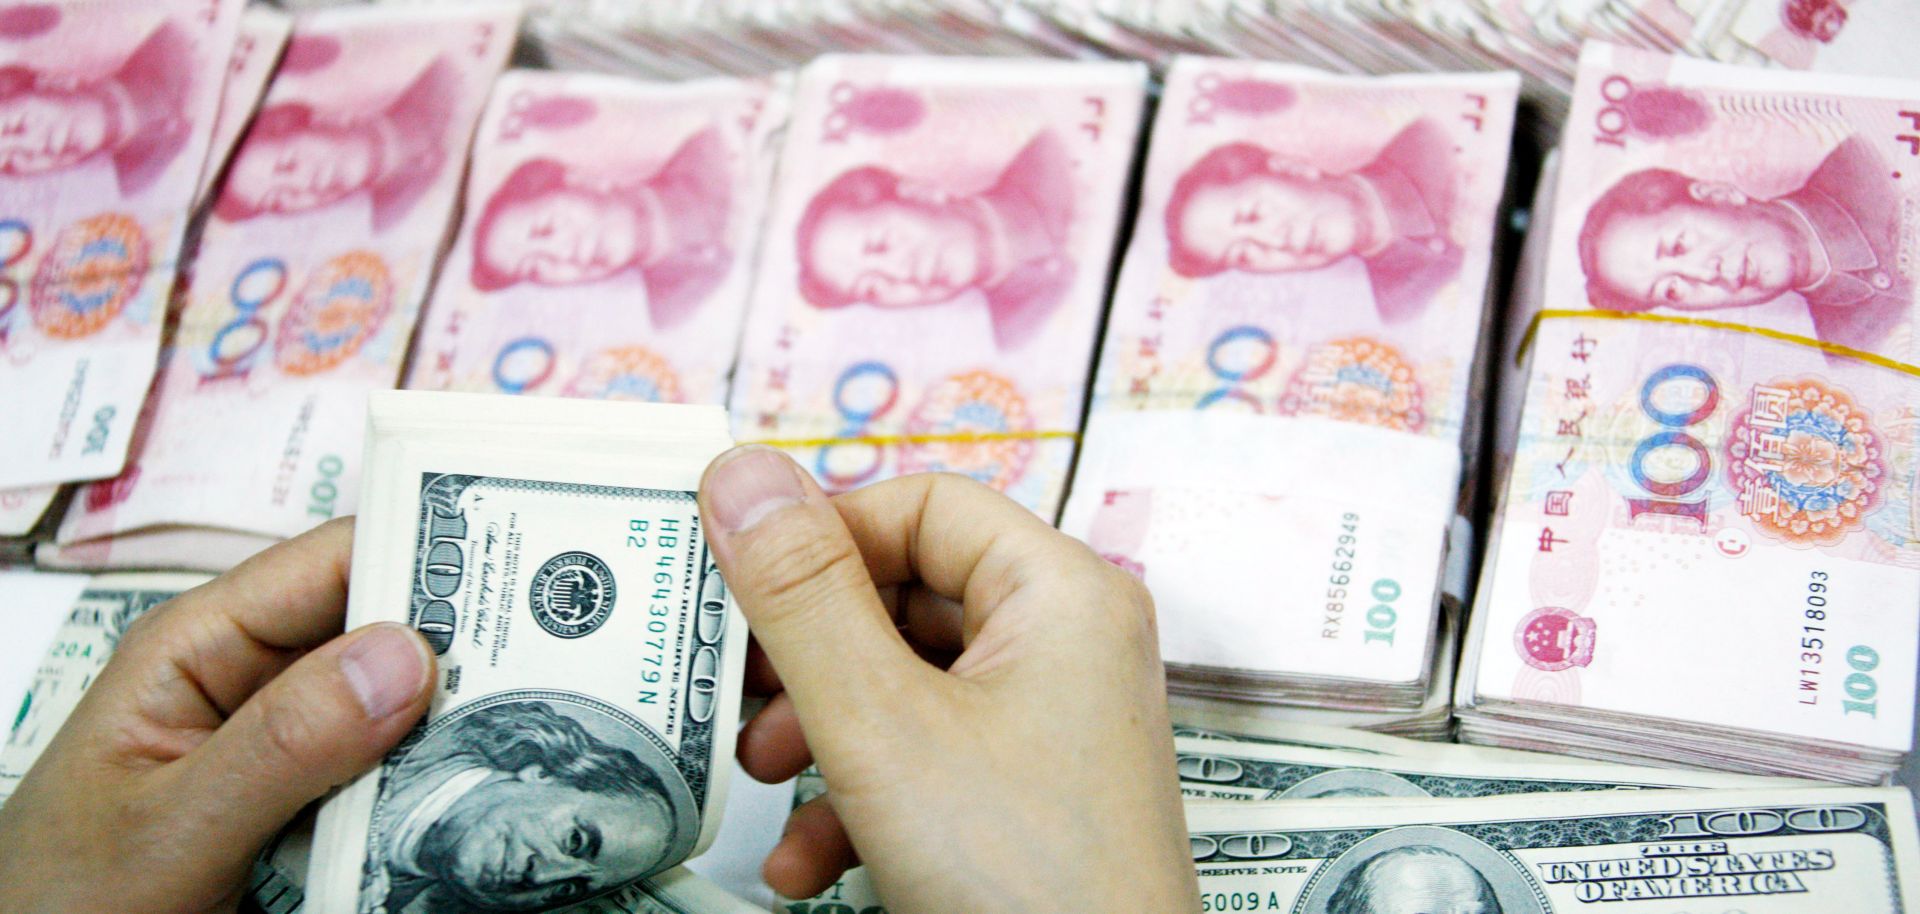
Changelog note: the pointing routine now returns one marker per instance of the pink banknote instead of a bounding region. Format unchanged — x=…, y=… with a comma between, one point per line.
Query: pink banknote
x=609, y=239
x=1305, y=292
x=209, y=549
x=21, y=509
x=322, y=241
x=934, y=266
x=256, y=52
x=1727, y=466
x=106, y=109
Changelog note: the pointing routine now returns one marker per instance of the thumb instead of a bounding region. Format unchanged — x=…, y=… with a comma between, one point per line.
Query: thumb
x=330, y=716
x=798, y=576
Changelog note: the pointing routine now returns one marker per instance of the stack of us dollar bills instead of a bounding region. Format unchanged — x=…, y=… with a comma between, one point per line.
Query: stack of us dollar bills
x=552, y=554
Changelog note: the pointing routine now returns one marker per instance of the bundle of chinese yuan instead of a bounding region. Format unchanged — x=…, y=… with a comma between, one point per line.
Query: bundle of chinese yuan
x=322, y=240
x=1289, y=390
x=108, y=111
x=1706, y=550
x=934, y=268
x=609, y=239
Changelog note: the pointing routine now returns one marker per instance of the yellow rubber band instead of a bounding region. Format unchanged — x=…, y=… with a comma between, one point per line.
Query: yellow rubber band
x=1533, y=328
x=884, y=440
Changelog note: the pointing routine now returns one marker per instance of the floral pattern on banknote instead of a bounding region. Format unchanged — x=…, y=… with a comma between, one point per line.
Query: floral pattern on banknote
x=627, y=373
x=339, y=309
x=1805, y=460
x=94, y=268
x=1356, y=380
x=976, y=403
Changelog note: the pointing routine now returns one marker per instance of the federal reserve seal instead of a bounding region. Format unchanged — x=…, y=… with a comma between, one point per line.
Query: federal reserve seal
x=572, y=594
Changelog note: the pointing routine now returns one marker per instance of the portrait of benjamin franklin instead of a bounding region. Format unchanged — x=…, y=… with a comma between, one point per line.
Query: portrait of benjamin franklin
x=525, y=805
x=1423, y=870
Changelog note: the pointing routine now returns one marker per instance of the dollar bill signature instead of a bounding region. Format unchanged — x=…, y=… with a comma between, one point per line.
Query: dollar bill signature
x=590, y=658
x=1755, y=851
x=109, y=109
x=609, y=239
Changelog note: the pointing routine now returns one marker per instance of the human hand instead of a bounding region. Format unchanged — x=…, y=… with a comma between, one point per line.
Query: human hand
x=223, y=712
x=1035, y=773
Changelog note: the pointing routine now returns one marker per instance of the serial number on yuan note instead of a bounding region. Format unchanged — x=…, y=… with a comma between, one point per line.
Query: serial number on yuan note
x=1382, y=617
x=1861, y=688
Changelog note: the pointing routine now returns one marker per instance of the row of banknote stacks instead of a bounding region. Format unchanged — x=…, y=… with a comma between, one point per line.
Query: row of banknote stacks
x=1539, y=39
x=1308, y=276
x=222, y=230
x=888, y=264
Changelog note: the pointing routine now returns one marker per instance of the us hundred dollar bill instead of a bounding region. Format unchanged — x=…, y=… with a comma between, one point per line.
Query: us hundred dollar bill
x=81, y=648
x=582, y=725
x=1792, y=851
x=280, y=880
x=1212, y=769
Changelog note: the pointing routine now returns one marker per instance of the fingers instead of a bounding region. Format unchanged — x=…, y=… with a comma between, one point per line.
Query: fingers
x=934, y=527
x=771, y=747
x=293, y=595
x=932, y=622
x=799, y=578
x=232, y=634
x=760, y=680
x=962, y=540
x=812, y=853
x=329, y=717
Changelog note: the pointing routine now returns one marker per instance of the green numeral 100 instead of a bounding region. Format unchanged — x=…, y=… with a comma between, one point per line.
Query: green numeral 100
x=1861, y=689
x=1382, y=618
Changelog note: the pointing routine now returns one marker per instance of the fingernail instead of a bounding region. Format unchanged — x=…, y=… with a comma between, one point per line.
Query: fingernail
x=750, y=483
x=384, y=666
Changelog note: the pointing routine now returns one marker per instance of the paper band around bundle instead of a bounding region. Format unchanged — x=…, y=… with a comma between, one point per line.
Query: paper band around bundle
x=1871, y=358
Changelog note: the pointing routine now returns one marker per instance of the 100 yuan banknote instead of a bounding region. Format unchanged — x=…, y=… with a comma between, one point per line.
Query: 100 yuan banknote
x=934, y=268
x=322, y=241
x=609, y=239
x=1683, y=493
x=81, y=648
x=256, y=53
x=108, y=107
x=581, y=731
x=1303, y=298
x=1638, y=852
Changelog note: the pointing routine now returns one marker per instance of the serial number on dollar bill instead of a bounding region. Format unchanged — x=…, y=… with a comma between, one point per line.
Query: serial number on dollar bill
x=1246, y=901
x=1861, y=688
